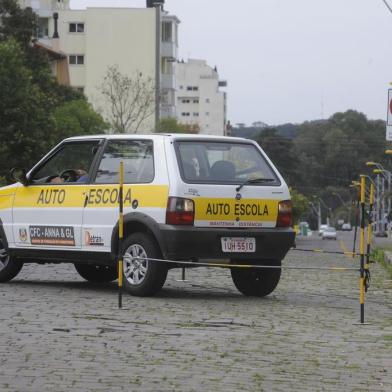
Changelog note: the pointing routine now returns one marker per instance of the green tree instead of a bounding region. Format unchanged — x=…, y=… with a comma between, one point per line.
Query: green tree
x=333, y=152
x=280, y=150
x=32, y=118
x=171, y=125
x=25, y=126
x=300, y=205
x=77, y=117
x=16, y=22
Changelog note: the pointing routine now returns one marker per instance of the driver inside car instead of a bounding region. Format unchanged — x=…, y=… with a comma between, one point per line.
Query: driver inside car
x=71, y=175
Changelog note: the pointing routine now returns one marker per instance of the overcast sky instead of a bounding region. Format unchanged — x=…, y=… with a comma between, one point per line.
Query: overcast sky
x=288, y=60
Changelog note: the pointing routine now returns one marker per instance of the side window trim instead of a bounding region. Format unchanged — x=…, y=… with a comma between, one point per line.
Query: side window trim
x=97, y=160
x=51, y=154
x=102, y=152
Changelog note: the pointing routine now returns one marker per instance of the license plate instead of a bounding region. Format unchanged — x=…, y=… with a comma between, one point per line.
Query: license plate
x=238, y=244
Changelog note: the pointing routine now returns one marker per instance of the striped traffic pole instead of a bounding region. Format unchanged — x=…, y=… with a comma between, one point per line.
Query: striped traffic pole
x=362, y=249
x=369, y=234
x=120, y=234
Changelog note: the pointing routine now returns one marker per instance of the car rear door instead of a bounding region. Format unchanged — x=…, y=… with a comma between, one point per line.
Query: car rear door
x=232, y=183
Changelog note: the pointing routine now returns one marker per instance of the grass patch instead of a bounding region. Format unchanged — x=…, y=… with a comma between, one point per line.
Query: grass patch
x=379, y=256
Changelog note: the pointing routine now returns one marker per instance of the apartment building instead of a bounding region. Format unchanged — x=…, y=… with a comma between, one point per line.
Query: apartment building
x=96, y=38
x=199, y=97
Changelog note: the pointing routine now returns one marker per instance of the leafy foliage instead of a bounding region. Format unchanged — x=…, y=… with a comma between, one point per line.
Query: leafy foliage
x=25, y=126
x=35, y=111
x=280, y=150
x=171, y=125
x=16, y=22
x=300, y=205
x=77, y=117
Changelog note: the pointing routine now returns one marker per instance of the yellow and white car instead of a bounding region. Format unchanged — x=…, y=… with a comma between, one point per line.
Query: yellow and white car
x=186, y=197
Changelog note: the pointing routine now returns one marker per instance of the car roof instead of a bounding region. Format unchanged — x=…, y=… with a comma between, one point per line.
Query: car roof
x=157, y=136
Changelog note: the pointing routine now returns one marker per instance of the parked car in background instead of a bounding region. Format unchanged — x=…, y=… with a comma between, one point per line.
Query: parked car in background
x=346, y=227
x=322, y=228
x=329, y=233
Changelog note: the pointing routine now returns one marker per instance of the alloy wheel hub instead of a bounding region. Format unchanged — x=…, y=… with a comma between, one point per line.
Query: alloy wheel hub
x=135, y=269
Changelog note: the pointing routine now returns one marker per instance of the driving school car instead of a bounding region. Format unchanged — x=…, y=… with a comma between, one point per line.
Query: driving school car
x=186, y=198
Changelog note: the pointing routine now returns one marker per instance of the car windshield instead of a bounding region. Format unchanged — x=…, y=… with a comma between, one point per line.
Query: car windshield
x=224, y=163
x=330, y=230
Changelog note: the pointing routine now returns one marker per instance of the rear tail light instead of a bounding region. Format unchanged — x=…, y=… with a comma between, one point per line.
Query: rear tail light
x=180, y=211
x=285, y=209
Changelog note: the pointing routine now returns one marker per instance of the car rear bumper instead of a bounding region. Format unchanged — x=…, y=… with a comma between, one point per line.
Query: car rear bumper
x=185, y=242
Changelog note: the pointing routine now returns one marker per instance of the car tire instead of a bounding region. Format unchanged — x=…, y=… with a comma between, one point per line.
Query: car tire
x=256, y=282
x=9, y=267
x=97, y=273
x=142, y=278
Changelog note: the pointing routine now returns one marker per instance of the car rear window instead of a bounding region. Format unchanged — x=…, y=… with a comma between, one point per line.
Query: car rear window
x=223, y=163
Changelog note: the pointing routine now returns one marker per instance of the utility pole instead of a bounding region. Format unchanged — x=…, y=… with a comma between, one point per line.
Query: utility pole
x=319, y=214
x=158, y=9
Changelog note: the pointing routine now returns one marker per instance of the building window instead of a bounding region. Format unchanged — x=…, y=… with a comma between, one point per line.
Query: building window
x=76, y=27
x=207, y=100
x=185, y=114
x=80, y=89
x=207, y=113
x=185, y=101
x=195, y=114
x=192, y=88
x=181, y=87
x=43, y=27
x=195, y=101
x=167, y=32
x=76, y=59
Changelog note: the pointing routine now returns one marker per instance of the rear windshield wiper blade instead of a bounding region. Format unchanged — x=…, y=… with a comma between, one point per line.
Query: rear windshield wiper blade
x=254, y=181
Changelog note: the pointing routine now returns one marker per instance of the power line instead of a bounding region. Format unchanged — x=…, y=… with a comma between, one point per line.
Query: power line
x=387, y=5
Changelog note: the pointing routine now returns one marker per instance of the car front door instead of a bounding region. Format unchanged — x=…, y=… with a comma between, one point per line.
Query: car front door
x=48, y=212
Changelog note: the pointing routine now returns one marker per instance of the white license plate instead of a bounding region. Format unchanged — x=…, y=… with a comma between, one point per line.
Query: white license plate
x=238, y=244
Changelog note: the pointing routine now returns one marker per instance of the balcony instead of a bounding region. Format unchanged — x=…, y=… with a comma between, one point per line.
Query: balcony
x=168, y=49
x=168, y=81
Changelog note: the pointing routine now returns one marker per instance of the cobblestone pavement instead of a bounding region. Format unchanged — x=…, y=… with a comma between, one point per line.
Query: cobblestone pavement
x=59, y=333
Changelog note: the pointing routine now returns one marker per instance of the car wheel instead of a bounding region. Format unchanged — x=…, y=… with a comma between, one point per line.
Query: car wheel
x=256, y=282
x=97, y=273
x=142, y=278
x=9, y=267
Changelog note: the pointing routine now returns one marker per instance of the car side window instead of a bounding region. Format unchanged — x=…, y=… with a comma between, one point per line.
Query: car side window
x=71, y=163
x=137, y=156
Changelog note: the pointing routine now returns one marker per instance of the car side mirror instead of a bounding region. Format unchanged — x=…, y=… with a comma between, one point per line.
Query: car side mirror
x=19, y=175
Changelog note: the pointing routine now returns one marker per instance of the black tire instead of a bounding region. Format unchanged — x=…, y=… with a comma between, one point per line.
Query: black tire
x=142, y=278
x=97, y=273
x=256, y=282
x=9, y=267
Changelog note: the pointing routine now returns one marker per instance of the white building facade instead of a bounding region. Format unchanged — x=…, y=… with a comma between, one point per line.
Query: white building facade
x=199, y=99
x=96, y=38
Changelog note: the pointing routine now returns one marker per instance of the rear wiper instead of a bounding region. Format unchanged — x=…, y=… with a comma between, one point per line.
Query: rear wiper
x=254, y=181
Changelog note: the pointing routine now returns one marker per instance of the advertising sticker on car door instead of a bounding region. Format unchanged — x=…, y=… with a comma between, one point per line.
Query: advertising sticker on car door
x=52, y=235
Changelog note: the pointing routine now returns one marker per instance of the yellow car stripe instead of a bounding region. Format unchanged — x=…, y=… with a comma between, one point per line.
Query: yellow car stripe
x=97, y=196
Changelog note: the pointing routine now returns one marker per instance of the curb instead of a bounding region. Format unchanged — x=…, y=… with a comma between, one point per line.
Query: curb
x=388, y=257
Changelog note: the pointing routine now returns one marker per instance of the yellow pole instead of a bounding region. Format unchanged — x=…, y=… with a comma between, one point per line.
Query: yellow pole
x=362, y=250
x=120, y=233
x=369, y=235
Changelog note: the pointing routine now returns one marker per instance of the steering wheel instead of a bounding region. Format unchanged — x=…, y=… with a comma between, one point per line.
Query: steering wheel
x=69, y=175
